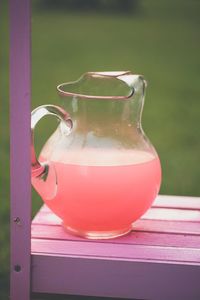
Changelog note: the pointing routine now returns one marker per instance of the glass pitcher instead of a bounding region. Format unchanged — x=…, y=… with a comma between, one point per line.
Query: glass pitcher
x=98, y=171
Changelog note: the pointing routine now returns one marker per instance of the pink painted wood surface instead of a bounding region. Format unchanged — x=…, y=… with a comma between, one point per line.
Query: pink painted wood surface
x=118, y=250
x=117, y=278
x=134, y=238
x=152, y=262
x=20, y=91
x=180, y=221
x=162, y=214
x=183, y=202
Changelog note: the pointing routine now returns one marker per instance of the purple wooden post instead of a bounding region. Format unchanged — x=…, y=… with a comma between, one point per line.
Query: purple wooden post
x=20, y=87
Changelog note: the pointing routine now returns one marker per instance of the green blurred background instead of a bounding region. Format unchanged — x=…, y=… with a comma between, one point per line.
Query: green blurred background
x=159, y=39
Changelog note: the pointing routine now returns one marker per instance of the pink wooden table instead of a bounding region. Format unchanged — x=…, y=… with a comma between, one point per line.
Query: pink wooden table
x=159, y=260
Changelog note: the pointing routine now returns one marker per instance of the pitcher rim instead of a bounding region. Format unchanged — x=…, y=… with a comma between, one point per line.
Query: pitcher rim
x=112, y=74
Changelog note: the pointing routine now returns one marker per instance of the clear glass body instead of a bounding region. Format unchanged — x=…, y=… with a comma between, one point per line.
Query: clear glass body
x=105, y=170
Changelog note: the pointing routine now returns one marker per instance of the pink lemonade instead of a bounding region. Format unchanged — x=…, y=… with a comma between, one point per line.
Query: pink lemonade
x=103, y=193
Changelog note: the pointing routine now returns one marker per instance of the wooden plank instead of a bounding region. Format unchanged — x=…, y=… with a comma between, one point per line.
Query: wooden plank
x=176, y=227
x=161, y=220
x=147, y=226
x=134, y=238
x=174, y=214
x=46, y=217
x=117, y=250
x=157, y=212
x=183, y=202
x=20, y=95
x=153, y=213
x=118, y=278
x=166, y=201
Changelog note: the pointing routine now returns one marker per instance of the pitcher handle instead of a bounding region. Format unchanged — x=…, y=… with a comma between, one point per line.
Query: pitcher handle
x=38, y=169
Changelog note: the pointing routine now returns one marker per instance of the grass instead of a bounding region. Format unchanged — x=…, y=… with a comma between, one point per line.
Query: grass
x=161, y=41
